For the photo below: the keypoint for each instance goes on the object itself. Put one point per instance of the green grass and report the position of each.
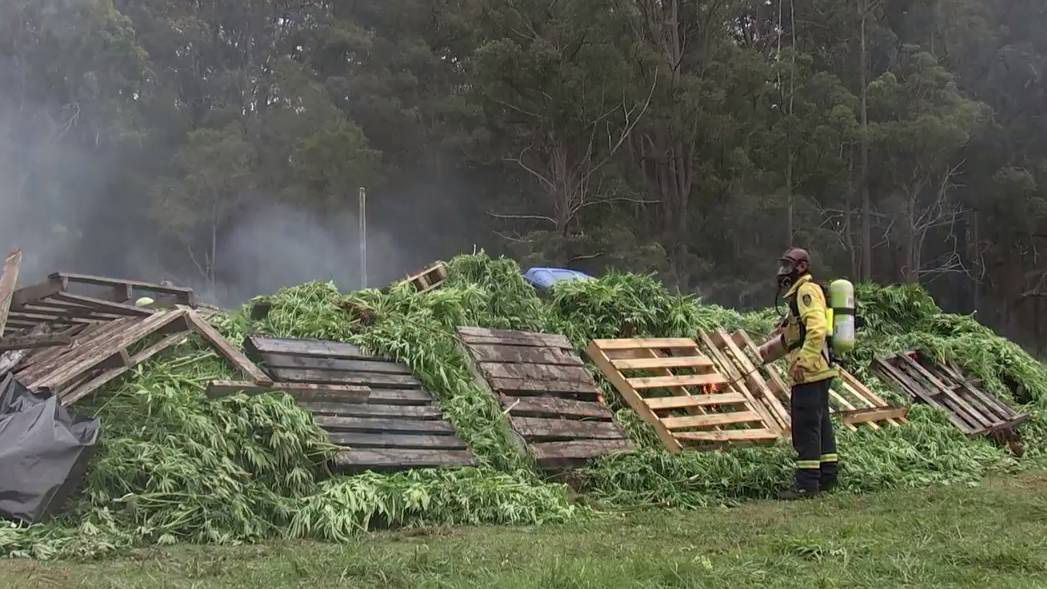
(993, 534)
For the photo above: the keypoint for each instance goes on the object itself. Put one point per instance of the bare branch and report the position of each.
(523, 217)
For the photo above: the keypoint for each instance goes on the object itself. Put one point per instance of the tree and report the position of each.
(922, 123)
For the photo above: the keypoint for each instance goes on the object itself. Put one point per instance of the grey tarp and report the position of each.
(43, 452)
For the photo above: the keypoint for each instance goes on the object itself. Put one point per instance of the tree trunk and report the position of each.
(864, 174)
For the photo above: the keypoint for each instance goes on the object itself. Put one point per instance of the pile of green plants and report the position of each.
(173, 466)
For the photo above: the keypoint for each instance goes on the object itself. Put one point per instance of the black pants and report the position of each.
(813, 436)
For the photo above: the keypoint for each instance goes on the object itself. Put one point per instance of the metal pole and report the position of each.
(363, 236)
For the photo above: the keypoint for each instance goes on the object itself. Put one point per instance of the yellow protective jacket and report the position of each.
(806, 330)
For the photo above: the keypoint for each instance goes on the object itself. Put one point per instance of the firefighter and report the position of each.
(804, 335)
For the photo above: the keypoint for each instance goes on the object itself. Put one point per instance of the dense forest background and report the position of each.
(222, 143)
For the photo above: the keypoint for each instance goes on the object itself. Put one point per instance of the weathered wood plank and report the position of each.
(35, 292)
(371, 410)
(640, 344)
(663, 362)
(418, 441)
(535, 428)
(482, 336)
(367, 424)
(712, 419)
(341, 364)
(8, 281)
(870, 415)
(522, 355)
(400, 397)
(312, 348)
(554, 453)
(686, 380)
(398, 459)
(733, 435)
(60, 310)
(370, 379)
(554, 407)
(537, 372)
(522, 386)
(226, 349)
(47, 318)
(299, 391)
(101, 305)
(34, 341)
(710, 400)
(972, 415)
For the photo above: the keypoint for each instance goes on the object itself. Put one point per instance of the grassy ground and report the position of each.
(994, 534)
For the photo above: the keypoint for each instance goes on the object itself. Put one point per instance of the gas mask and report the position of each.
(786, 274)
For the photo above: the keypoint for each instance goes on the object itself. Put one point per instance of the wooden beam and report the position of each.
(226, 349)
(299, 391)
(311, 348)
(398, 459)
(34, 341)
(535, 428)
(555, 407)
(650, 343)
(102, 305)
(416, 441)
(183, 295)
(8, 281)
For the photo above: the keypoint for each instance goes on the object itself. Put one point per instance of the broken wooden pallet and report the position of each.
(397, 425)
(849, 399)
(676, 389)
(67, 300)
(761, 382)
(970, 409)
(100, 353)
(428, 279)
(552, 402)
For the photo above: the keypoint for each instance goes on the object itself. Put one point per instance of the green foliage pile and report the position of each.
(175, 467)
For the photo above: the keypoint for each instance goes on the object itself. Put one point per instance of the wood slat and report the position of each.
(226, 349)
(8, 281)
(536, 428)
(373, 380)
(400, 396)
(398, 459)
(522, 386)
(523, 355)
(916, 391)
(35, 292)
(371, 410)
(101, 305)
(299, 391)
(712, 419)
(872, 414)
(367, 424)
(557, 453)
(663, 362)
(338, 364)
(645, 344)
(681, 402)
(726, 436)
(418, 441)
(554, 407)
(973, 415)
(776, 416)
(34, 341)
(312, 348)
(482, 336)
(540, 372)
(686, 380)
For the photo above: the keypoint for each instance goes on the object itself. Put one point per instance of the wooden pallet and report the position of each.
(397, 425)
(970, 409)
(100, 353)
(428, 279)
(676, 389)
(79, 299)
(849, 399)
(744, 372)
(553, 404)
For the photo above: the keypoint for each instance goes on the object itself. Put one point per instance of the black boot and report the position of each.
(797, 493)
(827, 475)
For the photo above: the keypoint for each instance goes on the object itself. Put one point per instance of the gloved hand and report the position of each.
(796, 373)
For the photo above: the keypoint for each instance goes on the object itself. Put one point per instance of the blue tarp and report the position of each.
(547, 277)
